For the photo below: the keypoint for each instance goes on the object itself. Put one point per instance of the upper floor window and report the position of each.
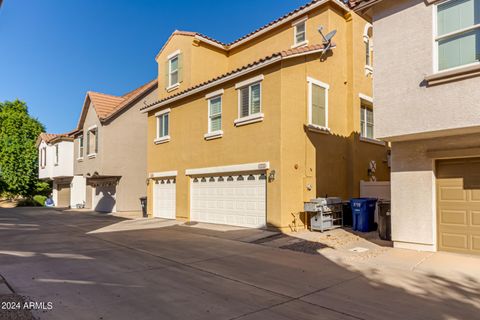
(215, 114)
(80, 147)
(163, 124)
(249, 100)
(366, 121)
(317, 103)
(300, 32)
(56, 154)
(458, 33)
(43, 157)
(173, 70)
(368, 40)
(92, 141)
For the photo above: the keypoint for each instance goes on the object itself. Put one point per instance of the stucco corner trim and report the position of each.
(214, 94)
(213, 135)
(159, 113)
(257, 166)
(300, 44)
(257, 117)
(365, 97)
(250, 81)
(162, 140)
(453, 75)
(163, 174)
(173, 87)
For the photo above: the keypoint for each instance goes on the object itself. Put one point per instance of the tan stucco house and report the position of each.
(243, 133)
(109, 164)
(426, 85)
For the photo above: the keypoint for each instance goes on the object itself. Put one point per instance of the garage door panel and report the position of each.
(164, 205)
(458, 205)
(452, 194)
(475, 218)
(453, 217)
(476, 243)
(456, 241)
(233, 199)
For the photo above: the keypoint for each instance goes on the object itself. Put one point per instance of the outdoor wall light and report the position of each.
(271, 176)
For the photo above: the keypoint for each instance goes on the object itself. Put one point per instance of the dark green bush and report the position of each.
(28, 202)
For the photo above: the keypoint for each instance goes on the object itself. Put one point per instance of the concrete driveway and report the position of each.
(177, 272)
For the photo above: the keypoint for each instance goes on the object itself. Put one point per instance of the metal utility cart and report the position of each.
(327, 213)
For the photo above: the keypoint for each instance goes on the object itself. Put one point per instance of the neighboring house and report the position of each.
(110, 150)
(55, 163)
(427, 68)
(243, 133)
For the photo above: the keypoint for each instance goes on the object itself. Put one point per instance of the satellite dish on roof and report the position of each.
(327, 39)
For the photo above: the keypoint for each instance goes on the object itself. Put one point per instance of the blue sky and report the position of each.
(53, 51)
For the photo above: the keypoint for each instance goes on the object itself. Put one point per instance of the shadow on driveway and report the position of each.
(177, 273)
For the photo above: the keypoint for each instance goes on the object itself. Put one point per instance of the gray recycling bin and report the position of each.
(384, 220)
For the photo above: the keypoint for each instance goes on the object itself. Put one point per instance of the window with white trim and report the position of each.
(366, 121)
(300, 33)
(317, 103)
(163, 125)
(215, 114)
(56, 154)
(458, 33)
(43, 157)
(250, 100)
(368, 40)
(92, 141)
(80, 146)
(173, 71)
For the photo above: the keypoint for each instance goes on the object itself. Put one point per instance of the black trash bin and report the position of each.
(347, 214)
(384, 220)
(143, 202)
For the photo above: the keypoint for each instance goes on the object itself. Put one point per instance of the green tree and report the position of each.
(18, 153)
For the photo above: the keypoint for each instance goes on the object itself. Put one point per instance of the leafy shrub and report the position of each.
(27, 202)
(43, 188)
(40, 199)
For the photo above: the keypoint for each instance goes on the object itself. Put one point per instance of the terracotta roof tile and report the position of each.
(47, 137)
(284, 53)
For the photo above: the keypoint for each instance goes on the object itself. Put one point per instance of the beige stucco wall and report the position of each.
(413, 188)
(125, 153)
(89, 165)
(403, 57)
(121, 151)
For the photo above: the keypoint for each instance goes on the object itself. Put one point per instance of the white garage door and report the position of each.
(104, 199)
(164, 198)
(238, 200)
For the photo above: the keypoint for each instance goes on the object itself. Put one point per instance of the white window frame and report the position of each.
(311, 81)
(368, 42)
(158, 115)
(56, 155)
(81, 147)
(295, 24)
(93, 154)
(43, 157)
(437, 39)
(250, 118)
(217, 133)
(170, 58)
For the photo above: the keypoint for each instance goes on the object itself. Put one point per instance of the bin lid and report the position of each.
(329, 200)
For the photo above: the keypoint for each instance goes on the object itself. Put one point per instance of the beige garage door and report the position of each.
(458, 205)
(63, 195)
